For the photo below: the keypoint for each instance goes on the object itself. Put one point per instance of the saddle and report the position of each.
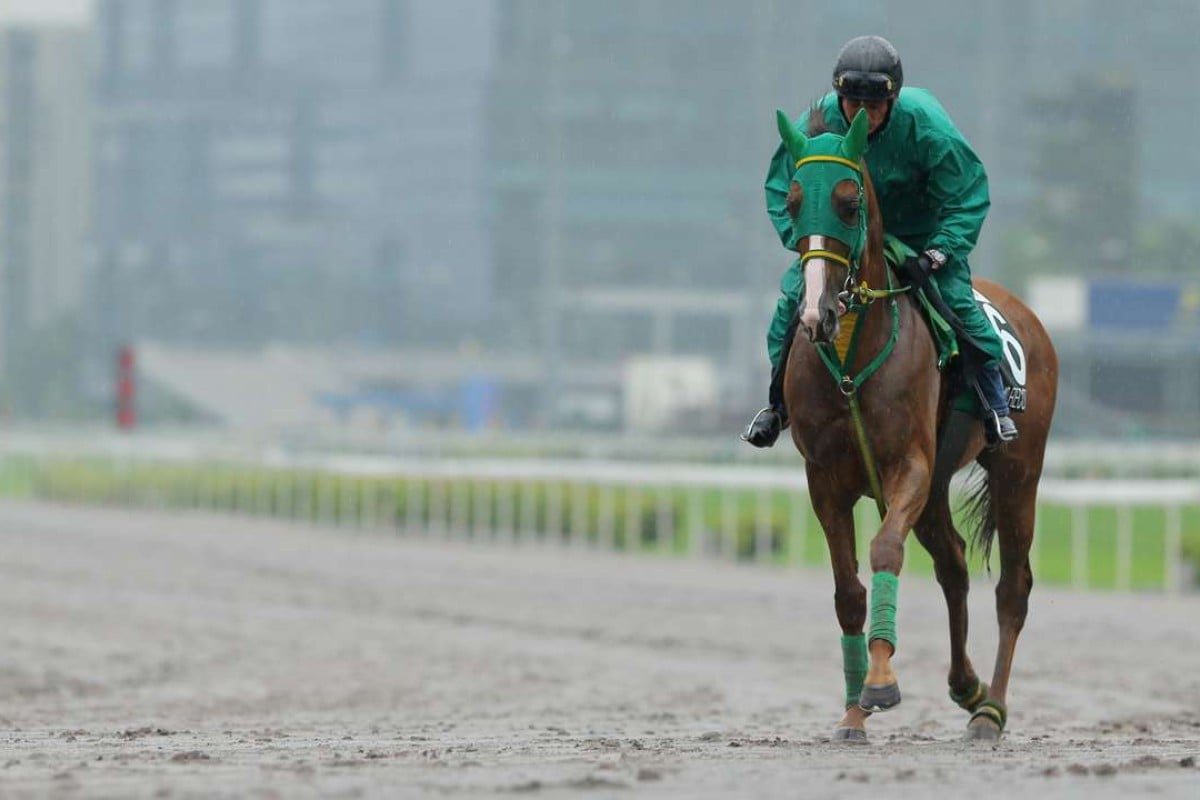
(956, 347)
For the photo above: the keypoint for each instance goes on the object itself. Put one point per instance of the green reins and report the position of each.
(839, 369)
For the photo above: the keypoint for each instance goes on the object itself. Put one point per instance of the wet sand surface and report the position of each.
(163, 655)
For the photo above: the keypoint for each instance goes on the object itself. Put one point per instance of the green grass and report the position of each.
(666, 521)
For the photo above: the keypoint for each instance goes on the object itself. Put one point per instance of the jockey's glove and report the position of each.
(916, 270)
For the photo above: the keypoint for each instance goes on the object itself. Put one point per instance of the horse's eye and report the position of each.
(846, 201)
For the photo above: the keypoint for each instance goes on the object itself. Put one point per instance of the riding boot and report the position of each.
(990, 385)
(768, 423)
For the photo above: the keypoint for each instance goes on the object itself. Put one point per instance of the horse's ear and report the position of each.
(856, 138)
(793, 139)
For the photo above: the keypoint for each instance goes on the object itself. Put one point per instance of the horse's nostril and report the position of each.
(828, 325)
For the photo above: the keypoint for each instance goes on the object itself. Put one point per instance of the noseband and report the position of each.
(819, 251)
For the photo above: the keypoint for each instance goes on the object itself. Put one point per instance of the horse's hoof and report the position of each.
(850, 735)
(987, 723)
(982, 729)
(879, 698)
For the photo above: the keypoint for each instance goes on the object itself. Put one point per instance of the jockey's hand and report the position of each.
(916, 269)
(936, 258)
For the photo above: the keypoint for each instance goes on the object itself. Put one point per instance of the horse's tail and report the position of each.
(980, 513)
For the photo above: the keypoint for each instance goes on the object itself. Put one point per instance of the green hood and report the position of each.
(818, 165)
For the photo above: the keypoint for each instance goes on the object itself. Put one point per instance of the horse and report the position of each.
(903, 402)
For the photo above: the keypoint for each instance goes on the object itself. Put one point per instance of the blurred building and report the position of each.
(297, 171)
(45, 197)
(533, 194)
(629, 139)
(628, 147)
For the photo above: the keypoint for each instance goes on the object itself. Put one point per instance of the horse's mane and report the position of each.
(817, 123)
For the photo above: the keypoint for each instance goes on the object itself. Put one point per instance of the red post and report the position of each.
(126, 390)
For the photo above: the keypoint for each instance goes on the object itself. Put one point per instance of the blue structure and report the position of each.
(1127, 305)
(474, 405)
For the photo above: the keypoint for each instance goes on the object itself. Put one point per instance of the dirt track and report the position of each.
(172, 656)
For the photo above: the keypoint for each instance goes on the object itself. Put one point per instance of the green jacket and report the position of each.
(931, 186)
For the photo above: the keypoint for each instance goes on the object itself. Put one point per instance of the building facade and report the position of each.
(628, 145)
(577, 181)
(629, 140)
(45, 197)
(274, 169)
(625, 151)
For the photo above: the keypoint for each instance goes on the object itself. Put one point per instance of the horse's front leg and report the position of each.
(906, 489)
(850, 602)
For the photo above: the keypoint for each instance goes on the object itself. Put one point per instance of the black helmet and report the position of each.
(868, 68)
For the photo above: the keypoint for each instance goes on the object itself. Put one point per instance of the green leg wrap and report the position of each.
(884, 587)
(854, 666)
(971, 698)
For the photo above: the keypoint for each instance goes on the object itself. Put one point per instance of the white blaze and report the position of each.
(814, 286)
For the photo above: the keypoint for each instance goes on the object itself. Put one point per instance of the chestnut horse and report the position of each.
(904, 403)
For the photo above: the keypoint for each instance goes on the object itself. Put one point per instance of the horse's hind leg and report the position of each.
(1015, 504)
(937, 534)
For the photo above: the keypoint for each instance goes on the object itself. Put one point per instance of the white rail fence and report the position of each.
(450, 484)
(1128, 534)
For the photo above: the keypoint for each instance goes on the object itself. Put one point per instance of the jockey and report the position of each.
(933, 194)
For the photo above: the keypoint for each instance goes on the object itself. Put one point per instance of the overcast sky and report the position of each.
(44, 10)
